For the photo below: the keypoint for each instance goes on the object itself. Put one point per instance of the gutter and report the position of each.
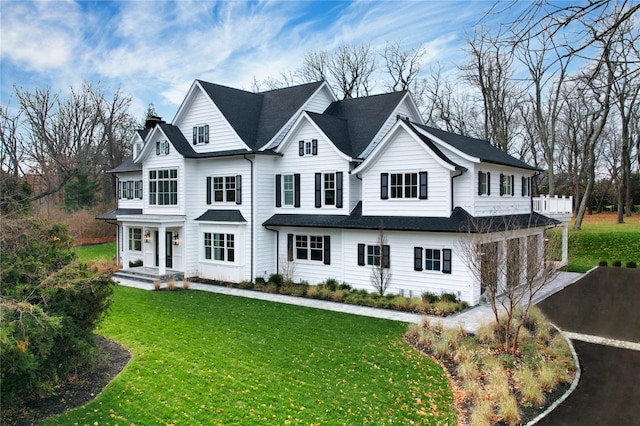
(252, 216)
(452, 178)
(277, 247)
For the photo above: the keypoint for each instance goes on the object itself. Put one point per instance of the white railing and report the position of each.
(553, 205)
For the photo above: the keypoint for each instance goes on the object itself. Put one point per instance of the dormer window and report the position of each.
(506, 184)
(162, 147)
(201, 134)
(308, 147)
(136, 150)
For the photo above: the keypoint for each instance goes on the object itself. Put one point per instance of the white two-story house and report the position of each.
(242, 185)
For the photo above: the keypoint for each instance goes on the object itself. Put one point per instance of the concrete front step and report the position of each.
(147, 275)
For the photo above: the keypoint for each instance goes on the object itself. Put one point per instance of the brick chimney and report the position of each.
(152, 121)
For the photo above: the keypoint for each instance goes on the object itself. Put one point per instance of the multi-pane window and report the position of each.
(315, 247)
(311, 247)
(138, 189)
(288, 189)
(506, 184)
(373, 255)
(130, 189)
(201, 134)
(302, 247)
(432, 259)
(218, 246)
(224, 188)
(484, 183)
(163, 187)
(162, 147)
(526, 186)
(135, 239)
(329, 189)
(403, 185)
(308, 147)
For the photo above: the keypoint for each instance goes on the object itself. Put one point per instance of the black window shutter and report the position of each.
(301, 148)
(386, 251)
(314, 146)
(289, 247)
(278, 190)
(158, 148)
(523, 183)
(208, 189)
(446, 261)
(206, 133)
(296, 190)
(318, 189)
(513, 184)
(339, 190)
(423, 185)
(129, 189)
(119, 189)
(239, 189)
(488, 183)
(361, 248)
(479, 183)
(501, 184)
(195, 135)
(327, 250)
(417, 258)
(166, 148)
(140, 190)
(384, 186)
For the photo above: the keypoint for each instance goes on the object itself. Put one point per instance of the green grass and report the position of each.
(203, 358)
(105, 251)
(601, 238)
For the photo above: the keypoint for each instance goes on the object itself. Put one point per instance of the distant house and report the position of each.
(241, 185)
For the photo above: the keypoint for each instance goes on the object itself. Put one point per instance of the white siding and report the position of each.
(403, 154)
(157, 162)
(264, 198)
(328, 160)
(201, 111)
(125, 203)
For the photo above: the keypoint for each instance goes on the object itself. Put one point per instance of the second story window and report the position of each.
(403, 185)
(308, 147)
(328, 189)
(200, 134)
(163, 187)
(506, 184)
(484, 183)
(224, 189)
(162, 147)
(288, 190)
(526, 186)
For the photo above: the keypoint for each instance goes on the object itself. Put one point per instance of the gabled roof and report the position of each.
(222, 216)
(459, 221)
(113, 214)
(257, 117)
(127, 165)
(481, 149)
(336, 129)
(365, 116)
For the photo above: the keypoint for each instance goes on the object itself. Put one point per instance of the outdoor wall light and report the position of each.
(176, 239)
(147, 236)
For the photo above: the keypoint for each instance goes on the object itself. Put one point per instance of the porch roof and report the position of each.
(222, 216)
(113, 214)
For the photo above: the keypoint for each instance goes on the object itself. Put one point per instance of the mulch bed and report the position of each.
(76, 391)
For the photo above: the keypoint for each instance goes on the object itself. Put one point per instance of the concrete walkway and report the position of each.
(470, 319)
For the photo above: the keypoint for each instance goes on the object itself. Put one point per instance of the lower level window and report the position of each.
(431, 259)
(309, 247)
(135, 239)
(219, 246)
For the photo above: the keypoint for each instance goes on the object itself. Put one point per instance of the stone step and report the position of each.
(146, 276)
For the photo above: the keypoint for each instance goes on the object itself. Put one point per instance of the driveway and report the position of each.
(603, 306)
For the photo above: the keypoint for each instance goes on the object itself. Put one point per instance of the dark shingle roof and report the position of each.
(477, 148)
(127, 165)
(336, 129)
(434, 148)
(113, 214)
(257, 117)
(459, 221)
(365, 116)
(222, 216)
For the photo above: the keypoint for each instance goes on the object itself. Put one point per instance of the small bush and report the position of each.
(171, 283)
(344, 286)
(617, 263)
(430, 297)
(185, 284)
(508, 409)
(260, 281)
(156, 285)
(449, 297)
(271, 287)
(245, 284)
(631, 264)
(482, 414)
(313, 292)
(331, 283)
(529, 387)
(275, 279)
(603, 263)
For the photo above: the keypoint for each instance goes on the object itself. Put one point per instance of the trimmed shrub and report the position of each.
(617, 263)
(430, 297)
(631, 264)
(332, 284)
(245, 284)
(603, 263)
(276, 279)
(260, 281)
(449, 297)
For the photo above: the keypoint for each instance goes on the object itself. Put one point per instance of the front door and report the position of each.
(169, 249)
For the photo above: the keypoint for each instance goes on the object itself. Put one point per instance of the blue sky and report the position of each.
(154, 50)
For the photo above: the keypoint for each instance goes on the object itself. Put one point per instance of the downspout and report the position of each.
(535, 175)
(252, 216)
(452, 178)
(277, 247)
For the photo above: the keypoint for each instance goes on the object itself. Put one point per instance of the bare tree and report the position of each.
(402, 66)
(511, 264)
(381, 272)
(11, 150)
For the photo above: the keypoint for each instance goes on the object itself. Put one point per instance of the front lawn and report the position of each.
(203, 358)
(96, 252)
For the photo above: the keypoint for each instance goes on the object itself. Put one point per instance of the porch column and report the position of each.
(502, 266)
(565, 243)
(125, 246)
(162, 250)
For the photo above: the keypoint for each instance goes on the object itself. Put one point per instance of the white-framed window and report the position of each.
(526, 186)
(288, 190)
(329, 189)
(219, 246)
(308, 147)
(374, 255)
(162, 147)
(329, 186)
(484, 183)
(200, 134)
(506, 184)
(432, 259)
(135, 239)
(403, 185)
(309, 247)
(138, 189)
(224, 189)
(163, 187)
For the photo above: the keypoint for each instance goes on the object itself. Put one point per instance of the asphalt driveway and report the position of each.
(606, 303)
